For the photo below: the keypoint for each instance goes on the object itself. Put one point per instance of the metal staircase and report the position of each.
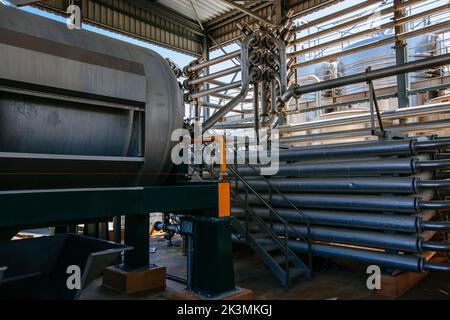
(269, 246)
(258, 234)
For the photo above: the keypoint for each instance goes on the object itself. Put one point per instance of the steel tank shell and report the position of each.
(79, 109)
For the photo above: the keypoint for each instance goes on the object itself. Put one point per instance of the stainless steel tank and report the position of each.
(419, 47)
(311, 74)
(78, 109)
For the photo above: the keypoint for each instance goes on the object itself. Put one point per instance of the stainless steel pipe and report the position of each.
(207, 92)
(214, 75)
(245, 83)
(436, 61)
(225, 57)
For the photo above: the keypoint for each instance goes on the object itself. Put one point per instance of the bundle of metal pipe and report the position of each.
(363, 220)
(382, 196)
(387, 260)
(400, 185)
(353, 168)
(408, 243)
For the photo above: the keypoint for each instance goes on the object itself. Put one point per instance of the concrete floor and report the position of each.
(335, 281)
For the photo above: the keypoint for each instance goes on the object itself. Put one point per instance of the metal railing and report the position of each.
(273, 211)
(289, 230)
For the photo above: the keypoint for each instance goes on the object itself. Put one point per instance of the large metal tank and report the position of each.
(419, 47)
(312, 74)
(79, 109)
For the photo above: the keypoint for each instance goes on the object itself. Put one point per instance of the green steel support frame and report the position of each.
(41, 208)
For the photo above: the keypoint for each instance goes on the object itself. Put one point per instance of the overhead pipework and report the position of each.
(325, 57)
(262, 66)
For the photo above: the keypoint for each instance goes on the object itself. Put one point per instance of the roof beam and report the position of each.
(234, 15)
(197, 16)
(249, 12)
(168, 14)
(22, 3)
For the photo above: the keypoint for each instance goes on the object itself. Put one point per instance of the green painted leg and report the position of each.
(137, 236)
(213, 271)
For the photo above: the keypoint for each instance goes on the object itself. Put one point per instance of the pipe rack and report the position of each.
(384, 197)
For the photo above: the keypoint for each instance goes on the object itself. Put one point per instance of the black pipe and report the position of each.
(434, 205)
(439, 267)
(432, 164)
(433, 184)
(374, 148)
(408, 243)
(352, 168)
(386, 260)
(345, 202)
(405, 262)
(432, 145)
(400, 242)
(435, 225)
(435, 246)
(377, 148)
(341, 168)
(364, 220)
(404, 185)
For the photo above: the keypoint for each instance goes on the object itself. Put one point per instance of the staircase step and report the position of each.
(271, 247)
(260, 235)
(280, 259)
(295, 272)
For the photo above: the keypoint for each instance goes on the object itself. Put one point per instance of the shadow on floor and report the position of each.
(330, 280)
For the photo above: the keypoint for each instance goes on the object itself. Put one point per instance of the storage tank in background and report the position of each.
(79, 109)
(419, 47)
(307, 75)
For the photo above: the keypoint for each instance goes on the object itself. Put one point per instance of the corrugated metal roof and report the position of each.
(172, 23)
(126, 18)
(206, 9)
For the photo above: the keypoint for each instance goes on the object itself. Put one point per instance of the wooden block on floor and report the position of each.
(238, 294)
(394, 286)
(134, 281)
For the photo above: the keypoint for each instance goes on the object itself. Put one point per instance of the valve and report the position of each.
(269, 74)
(255, 74)
(187, 98)
(255, 58)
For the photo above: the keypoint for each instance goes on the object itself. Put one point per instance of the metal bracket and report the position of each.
(374, 108)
